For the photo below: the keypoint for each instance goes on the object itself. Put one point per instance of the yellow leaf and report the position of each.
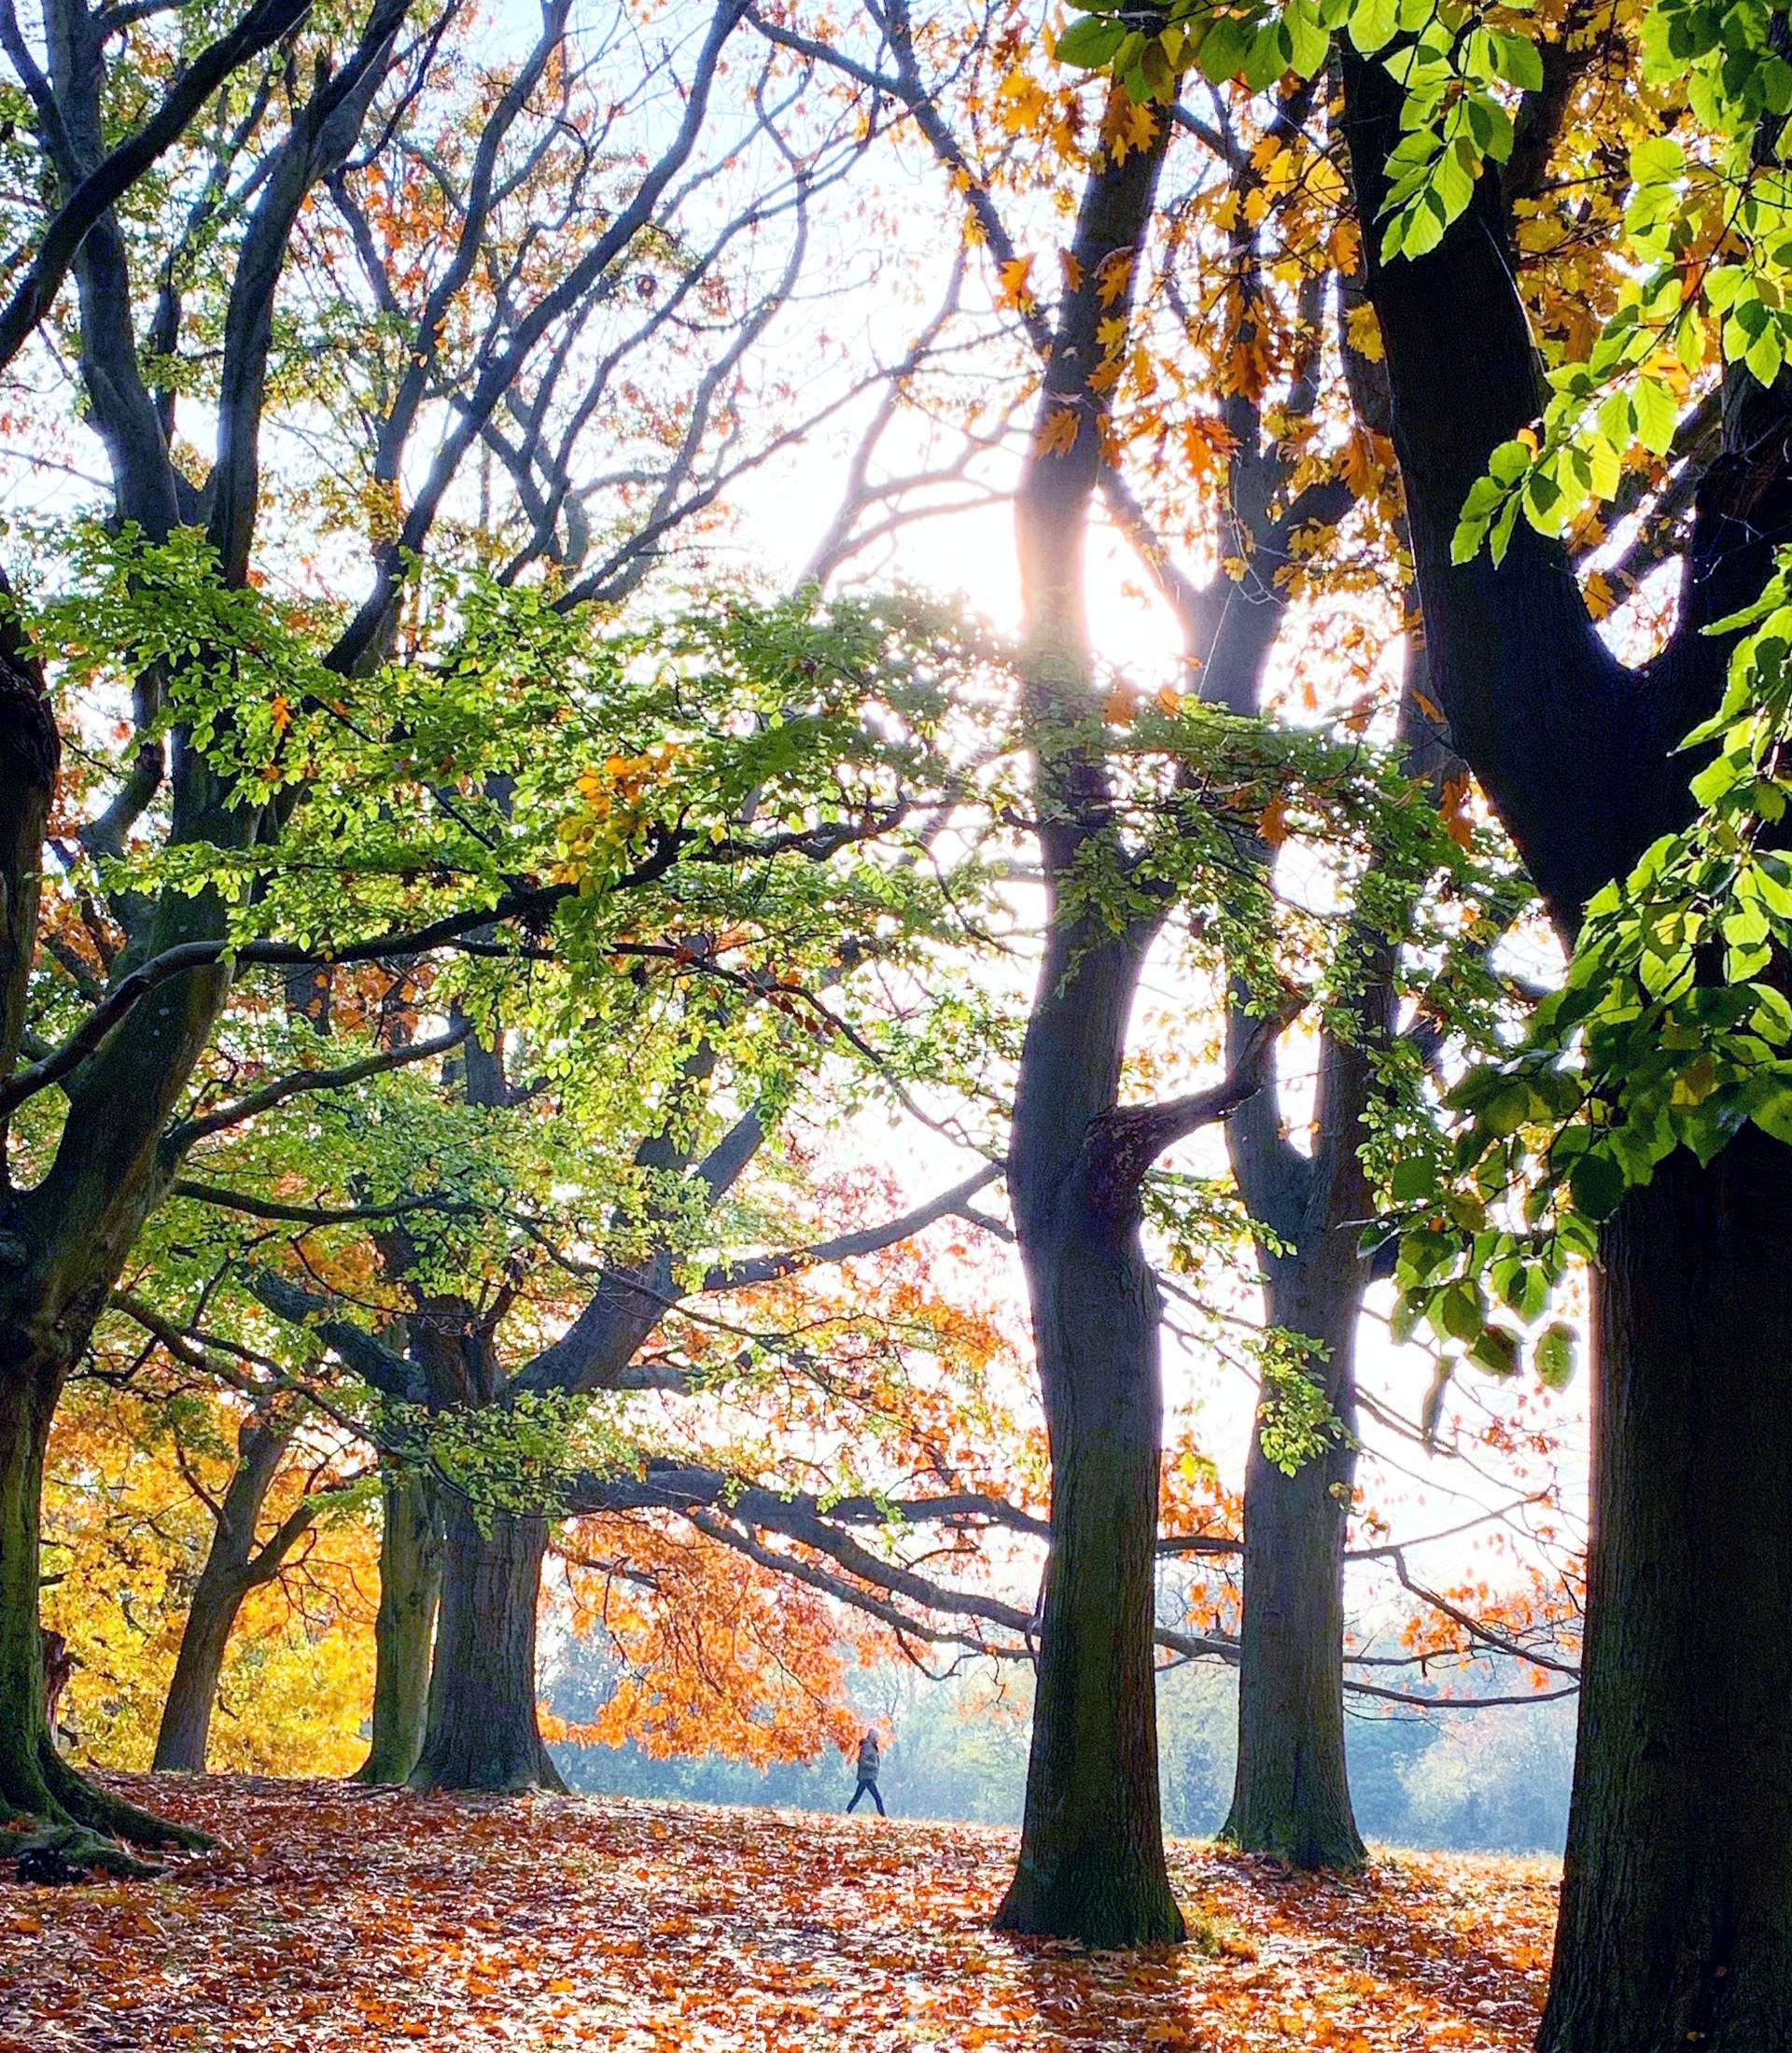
(1013, 276)
(1359, 466)
(1057, 435)
(1363, 332)
(1454, 806)
(1114, 275)
(1272, 822)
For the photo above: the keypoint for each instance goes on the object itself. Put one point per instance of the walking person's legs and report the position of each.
(876, 1798)
(860, 1792)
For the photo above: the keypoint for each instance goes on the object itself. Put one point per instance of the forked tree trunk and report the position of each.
(404, 1631)
(234, 1566)
(1091, 1864)
(1092, 1861)
(1290, 1792)
(483, 1732)
(1675, 1926)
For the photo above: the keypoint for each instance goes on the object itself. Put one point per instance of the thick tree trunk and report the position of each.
(1675, 1925)
(27, 1400)
(1290, 1792)
(36, 1785)
(404, 1631)
(1091, 1864)
(1676, 1910)
(483, 1731)
(187, 1714)
(1091, 1860)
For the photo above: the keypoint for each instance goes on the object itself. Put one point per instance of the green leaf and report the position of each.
(1774, 1114)
(1372, 24)
(1460, 1312)
(1656, 415)
(1516, 58)
(1308, 43)
(1090, 43)
(1555, 1357)
(1764, 357)
(1596, 1184)
(1412, 1180)
(1496, 1349)
(1225, 47)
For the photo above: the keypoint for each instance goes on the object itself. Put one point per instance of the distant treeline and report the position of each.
(1493, 1780)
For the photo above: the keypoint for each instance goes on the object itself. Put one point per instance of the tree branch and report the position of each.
(768, 1268)
(119, 169)
(182, 1136)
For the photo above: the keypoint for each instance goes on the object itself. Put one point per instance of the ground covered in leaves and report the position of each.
(330, 1917)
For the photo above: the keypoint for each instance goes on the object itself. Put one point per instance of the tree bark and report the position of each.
(36, 1785)
(186, 1713)
(482, 1729)
(1291, 1791)
(404, 1631)
(27, 1400)
(1091, 1864)
(1673, 1926)
(234, 1567)
(1091, 1861)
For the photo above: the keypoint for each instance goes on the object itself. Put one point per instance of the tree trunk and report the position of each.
(234, 1567)
(1091, 1860)
(187, 1714)
(1675, 1926)
(27, 1400)
(411, 1555)
(1290, 1792)
(482, 1732)
(1091, 1863)
(37, 1785)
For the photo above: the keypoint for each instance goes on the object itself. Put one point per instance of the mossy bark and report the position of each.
(482, 1731)
(404, 1629)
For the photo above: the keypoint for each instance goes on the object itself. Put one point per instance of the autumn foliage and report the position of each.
(329, 1921)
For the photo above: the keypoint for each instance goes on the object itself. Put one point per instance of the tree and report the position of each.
(410, 1569)
(143, 1455)
(1677, 1849)
(1242, 256)
(236, 1562)
(723, 796)
(209, 709)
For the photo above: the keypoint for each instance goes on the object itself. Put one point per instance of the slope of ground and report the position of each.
(332, 1917)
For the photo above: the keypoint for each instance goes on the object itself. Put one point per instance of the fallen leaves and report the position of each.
(336, 1918)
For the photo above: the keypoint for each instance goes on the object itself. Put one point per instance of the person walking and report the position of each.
(870, 1755)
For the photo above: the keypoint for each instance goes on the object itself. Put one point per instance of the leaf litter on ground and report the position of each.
(331, 1917)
